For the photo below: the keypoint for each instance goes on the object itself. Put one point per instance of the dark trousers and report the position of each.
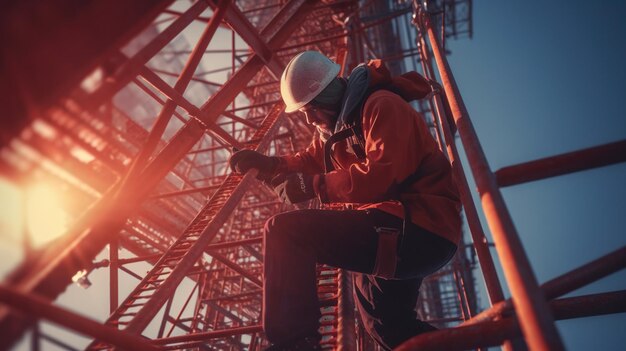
(295, 241)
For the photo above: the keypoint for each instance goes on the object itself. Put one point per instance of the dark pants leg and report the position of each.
(387, 308)
(296, 241)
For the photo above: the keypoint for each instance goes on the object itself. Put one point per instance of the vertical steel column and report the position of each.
(494, 289)
(113, 275)
(35, 339)
(464, 306)
(534, 315)
(346, 331)
(166, 314)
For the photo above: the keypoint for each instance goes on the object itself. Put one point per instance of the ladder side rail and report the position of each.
(534, 315)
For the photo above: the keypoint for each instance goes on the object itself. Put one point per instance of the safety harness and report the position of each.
(349, 127)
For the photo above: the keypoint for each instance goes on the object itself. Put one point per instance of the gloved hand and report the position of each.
(294, 188)
(243, 160)
(435, 88)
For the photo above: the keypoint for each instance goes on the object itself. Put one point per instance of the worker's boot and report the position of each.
(303, 344)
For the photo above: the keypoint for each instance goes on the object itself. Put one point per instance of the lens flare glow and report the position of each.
(46, 220)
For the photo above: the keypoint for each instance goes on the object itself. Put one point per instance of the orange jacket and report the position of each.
(397, 144)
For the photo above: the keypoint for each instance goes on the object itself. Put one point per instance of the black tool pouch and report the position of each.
(386, 254)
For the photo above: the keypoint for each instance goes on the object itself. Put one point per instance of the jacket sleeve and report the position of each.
(309, 161)
(393, 152)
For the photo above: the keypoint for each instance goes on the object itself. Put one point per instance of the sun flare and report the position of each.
(46, 220)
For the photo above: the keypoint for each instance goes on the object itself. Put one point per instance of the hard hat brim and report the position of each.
(293, 107)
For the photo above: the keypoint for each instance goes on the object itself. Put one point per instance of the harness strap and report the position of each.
(334, 139)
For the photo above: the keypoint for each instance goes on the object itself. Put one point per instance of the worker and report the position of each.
(371, 150)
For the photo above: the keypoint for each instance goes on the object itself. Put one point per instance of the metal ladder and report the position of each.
(159, 284)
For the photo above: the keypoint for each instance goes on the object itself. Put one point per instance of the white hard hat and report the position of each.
(305, 76)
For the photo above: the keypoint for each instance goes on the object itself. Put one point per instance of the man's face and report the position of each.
(320, 117)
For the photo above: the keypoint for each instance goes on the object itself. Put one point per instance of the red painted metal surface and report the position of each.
(34, 305)
(69, 36)
(535, 318)
(575, 161)
(158, 124)
(494, 333)
(444, 119)
(563, 284)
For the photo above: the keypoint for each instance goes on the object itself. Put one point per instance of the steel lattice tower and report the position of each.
(136, 121)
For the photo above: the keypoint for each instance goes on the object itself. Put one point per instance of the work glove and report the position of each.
(294, 188)
(242, 161)
(435, 88)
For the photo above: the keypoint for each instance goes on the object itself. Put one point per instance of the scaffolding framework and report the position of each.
(137, 128)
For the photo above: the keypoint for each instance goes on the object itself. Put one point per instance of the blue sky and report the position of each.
(540, 80)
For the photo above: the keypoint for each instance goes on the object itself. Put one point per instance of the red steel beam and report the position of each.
(214, 107)
(185, 192)
(279, 30)
(494, 288)
(237, 297)
(570, 162)
(201, 338)
(124, 261)
(175, 94)
(494, 333)
(356, 31)
(217, 133)
(52, 271)
(237, 268)
(443, 117)
(71, 36)
(35, 306)
(176, 98)
(131, 67)
(181, 84)
(236, 118)
(194, 79)
(535, 317)
(586, 274)
(113, 275)
(249, 34)
(260, 104)
(564, 283)
(227, 244)
(208, 149)
(177, 321)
